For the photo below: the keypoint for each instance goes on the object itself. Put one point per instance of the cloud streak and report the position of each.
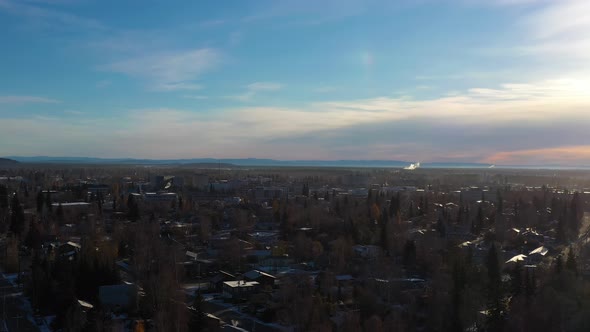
(49, 17)
(511, 124)
(556, 33)
(563, 155)
(169, 71)
(26, 100)
(255, 88)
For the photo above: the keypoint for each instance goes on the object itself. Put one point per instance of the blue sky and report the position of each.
(499, 81)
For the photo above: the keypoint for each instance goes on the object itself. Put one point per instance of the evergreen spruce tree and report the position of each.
(495, 297)
(479, 219)
(17, 217)
(383, 226)
(570, 263)
(516, 279)
(197, 315)
(529, 288)
(558, 265)
(457, 296)
(3, 197)
(60, 213)
(39, 202)
(48, 201)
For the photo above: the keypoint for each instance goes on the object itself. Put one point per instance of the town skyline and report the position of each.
(502, 82)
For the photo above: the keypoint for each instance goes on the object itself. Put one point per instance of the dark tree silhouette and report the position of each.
(459, 278)
(570, 263)
(59, 213)
(495, 315)
(40, 201)
(3, 197)
(48, 201)
(17, 217)
(133, 213)
(558, 265)
(409, 258)
(197, 315)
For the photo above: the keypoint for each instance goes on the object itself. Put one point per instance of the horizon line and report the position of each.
(490, 165)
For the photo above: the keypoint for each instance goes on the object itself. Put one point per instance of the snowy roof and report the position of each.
(344, 277)
(517, 258)
(541, 251)
(192, 255)
(241, 283)
(74, 244)
(71, 204)
(85, 304)
(255, 274)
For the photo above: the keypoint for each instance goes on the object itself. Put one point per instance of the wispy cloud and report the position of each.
(103, 84)
(26, 100)
(235, 38)
(254, 88)
(73, 112)
(325, 89)
(555, 33)
(177, 86)
(313, 12)
(197, 97)
(169, 71)
(55, 2)
(510, 124)
(212, 23)
(559, 31)
(264, 86)
(565, 18)
(48, 16)
(577, 155)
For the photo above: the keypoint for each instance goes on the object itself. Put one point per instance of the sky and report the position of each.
(505, 82)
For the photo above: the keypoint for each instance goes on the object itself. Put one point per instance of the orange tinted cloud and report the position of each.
(565, 155)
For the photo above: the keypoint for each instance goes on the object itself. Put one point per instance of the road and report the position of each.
(13, 315)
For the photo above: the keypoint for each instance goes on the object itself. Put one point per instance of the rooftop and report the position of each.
(241, 283)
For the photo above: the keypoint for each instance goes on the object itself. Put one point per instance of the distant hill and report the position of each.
(247, 162)
(8, 162)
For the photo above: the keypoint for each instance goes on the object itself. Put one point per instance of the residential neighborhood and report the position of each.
(285, 250)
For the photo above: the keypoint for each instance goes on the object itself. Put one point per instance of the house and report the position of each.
(257, 255)
(239, 289)
(72, 210)
(517, 258)
(345, 287)
(69, 250)
(122, 297)
(458, 233)
(266, 226)
(264, 237)
(99, 188)
(85, 306)
(261, 194)
(367, 251)
(81, 310)
(275, 263)
(160, 197)
(126, 271)
(200, 181)
(198, 267)
(265, 279)
(232, 200)
(537, 255)
(220, 278)
(193, 256)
